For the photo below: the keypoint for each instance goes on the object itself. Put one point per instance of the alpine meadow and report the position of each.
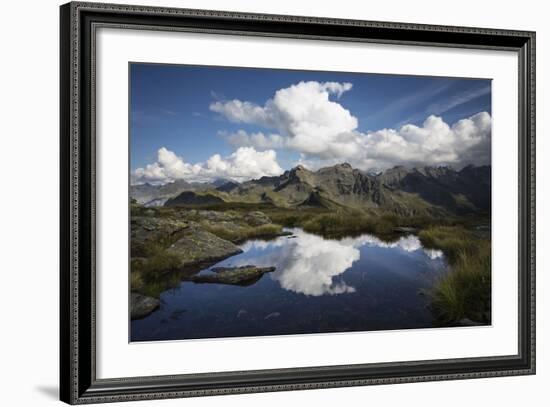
(274, 202)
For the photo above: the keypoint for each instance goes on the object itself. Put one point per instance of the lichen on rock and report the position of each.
(243, 275)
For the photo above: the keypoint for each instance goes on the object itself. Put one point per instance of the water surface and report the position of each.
(320, 285)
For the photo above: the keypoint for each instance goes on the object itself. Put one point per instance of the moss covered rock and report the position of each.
(197, 246)
(141, 305)
(244, 275)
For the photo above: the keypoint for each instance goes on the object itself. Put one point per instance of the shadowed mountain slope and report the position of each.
(433, 191)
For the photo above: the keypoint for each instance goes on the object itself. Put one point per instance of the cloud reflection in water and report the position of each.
(310, 265)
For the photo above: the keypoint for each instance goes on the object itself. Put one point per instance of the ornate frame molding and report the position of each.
(79, 21)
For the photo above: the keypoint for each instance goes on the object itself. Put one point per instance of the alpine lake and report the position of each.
(312, 285)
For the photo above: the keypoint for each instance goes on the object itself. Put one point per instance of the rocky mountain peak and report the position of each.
(299, 172)
(400, 189)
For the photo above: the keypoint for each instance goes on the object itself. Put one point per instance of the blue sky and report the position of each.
(172, 107)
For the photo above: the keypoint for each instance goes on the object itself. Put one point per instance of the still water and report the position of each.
(319, 285)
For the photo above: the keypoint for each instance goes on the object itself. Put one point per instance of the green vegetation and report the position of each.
(335, 223)
(156, 266)
(465, 291)
(161, 262)
(153, 284)
(295, 217)
(151, 249)
(338, 224)
(240, 233)
(462, 292)
(153, 260)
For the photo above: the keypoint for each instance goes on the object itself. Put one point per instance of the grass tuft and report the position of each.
(464, 291)
(242, 232)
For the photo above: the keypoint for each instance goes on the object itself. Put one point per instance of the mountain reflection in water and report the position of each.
(319, 285)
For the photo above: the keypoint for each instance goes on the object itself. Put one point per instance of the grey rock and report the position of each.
(141, 305)
(216, 216)
(257, 218)
(197, 246)
(432, 191)
(244, 275)
(146, 230)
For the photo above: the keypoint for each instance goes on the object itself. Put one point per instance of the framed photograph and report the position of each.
(255, 203)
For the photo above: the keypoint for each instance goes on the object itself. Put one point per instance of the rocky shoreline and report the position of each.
(141, 305)
(170, 245)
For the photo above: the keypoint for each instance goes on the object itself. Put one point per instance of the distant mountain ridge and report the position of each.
(157, 195)
(400, 190)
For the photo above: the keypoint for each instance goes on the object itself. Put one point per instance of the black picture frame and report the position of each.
(78, 382)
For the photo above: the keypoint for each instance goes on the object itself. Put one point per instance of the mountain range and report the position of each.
(156, 195)
(434, 191)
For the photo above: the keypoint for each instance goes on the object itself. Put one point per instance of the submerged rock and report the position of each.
(197, 246)
(177, 314)
(244, 275)
(141, 305)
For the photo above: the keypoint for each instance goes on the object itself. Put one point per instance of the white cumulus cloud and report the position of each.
(302, 113)
(309, 118)
(244, 164)
(325, 132)
(257, 140)
(467, 141)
